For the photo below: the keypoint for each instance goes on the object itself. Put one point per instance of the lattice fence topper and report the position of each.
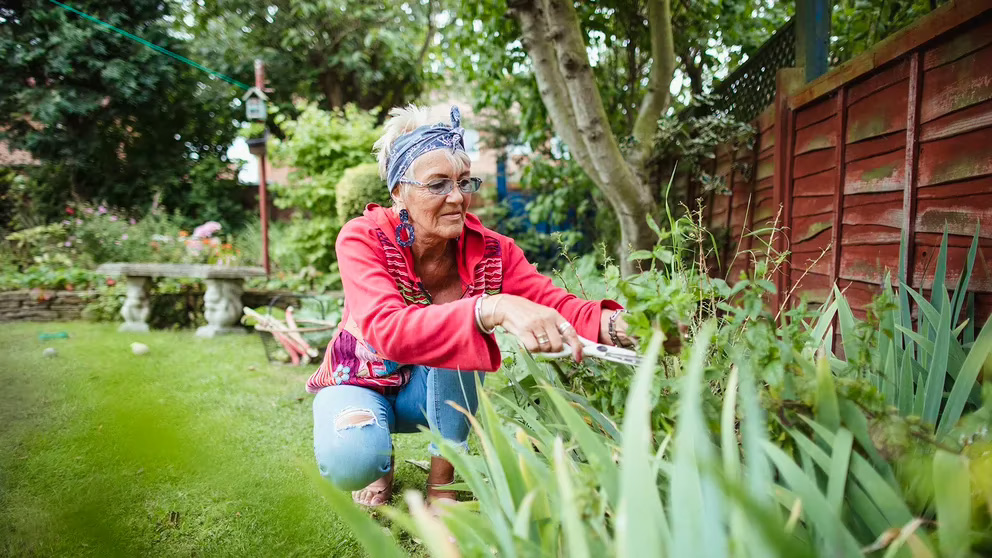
(751, 87)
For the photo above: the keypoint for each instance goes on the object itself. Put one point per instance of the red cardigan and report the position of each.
(389, 320)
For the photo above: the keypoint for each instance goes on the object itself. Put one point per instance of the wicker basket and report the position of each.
(314, 331)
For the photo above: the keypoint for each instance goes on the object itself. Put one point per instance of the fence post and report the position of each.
(812, 36)
(787, 81)
(907, 245)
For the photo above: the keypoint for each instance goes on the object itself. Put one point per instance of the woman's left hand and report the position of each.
(672, 345)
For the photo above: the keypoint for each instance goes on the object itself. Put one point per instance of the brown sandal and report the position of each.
(436, 492)
(380, 490)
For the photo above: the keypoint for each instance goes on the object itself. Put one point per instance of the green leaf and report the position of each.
(815, 506)
(967, 377)
(952, 498)
(892, 506)
(503, 453)
(854, 419)
(823, 321)
(575, 535)
(754, 433)
(906, 320)
(840, 457)
(859, 501)
(640, 511)
(940, 275)
(890, 379)
(906, 391)
(596, 451)
(367, 531)
(827, 411)
(925, 344)
(934, 389)
(846, 318)
(728, 433)
(697, 528)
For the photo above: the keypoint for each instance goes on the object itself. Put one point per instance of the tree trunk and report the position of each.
(553, 38)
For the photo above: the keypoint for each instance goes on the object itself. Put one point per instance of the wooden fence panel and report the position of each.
(815, 151)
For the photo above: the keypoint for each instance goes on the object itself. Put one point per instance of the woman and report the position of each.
(425, 286)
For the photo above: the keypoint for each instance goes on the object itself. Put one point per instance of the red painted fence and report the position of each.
(897, 142)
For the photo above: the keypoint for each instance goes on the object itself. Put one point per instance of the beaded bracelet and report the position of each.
(612, 329)
(478, 316)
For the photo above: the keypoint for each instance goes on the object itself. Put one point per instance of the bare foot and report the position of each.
(376, 494)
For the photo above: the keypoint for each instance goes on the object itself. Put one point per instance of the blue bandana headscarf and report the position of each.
(424, 139)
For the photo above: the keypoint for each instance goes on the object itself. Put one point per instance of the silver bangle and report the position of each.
(478, 316)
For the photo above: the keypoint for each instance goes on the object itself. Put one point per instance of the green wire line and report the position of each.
(153, 46)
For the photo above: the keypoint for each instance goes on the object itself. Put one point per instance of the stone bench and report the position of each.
(221, 302)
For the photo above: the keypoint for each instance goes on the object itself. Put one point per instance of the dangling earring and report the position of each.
(404, 227)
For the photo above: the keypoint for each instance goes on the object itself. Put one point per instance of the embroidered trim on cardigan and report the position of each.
(489, 270)
(397, 269)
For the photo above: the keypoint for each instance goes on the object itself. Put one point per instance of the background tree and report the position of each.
(111, 119)
(333, 52)
(590, 70)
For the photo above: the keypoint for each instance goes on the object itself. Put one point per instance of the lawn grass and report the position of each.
(199, 448)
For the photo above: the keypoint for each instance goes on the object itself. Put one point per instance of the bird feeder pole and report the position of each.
(263, 196)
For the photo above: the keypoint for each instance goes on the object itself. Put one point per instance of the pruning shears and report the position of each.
(596, 350)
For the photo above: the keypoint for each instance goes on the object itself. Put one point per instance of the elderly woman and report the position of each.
(425, 286)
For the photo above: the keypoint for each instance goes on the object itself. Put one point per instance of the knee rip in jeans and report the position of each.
(354, 418)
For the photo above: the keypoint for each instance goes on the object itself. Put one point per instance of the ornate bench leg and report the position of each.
(136, 307)
(222, 307)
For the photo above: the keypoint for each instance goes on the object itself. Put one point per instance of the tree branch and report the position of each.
(550, 82)
(431, 28)
(658, 96)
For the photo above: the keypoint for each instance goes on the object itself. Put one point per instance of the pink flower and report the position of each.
(66, 222)
(113, 217)
(132, 221)
(206, 230)
(67, 244)
(79, 221)
(124, 236)
(89, 210)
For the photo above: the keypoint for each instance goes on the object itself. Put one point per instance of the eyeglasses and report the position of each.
(444, 186)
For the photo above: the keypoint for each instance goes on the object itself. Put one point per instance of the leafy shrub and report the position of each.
(358, 187)
(55, 272)
(25, 245)
(320, 146)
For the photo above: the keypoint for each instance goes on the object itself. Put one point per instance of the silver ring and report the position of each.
(564, 326)
(543, 339)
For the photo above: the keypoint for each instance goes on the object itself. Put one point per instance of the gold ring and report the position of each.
(564, 326)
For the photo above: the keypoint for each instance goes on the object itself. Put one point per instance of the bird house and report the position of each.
(255, 104)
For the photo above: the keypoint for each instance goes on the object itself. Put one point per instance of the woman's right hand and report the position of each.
(538, 327)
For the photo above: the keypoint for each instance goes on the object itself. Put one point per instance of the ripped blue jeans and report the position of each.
(352, 425)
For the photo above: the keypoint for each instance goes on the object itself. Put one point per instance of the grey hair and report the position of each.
(403, 121)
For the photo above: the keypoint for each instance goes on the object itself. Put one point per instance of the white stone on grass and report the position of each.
(139, 348)
(50, 352)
